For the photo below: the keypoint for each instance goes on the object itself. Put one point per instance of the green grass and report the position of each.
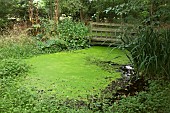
(69, 74)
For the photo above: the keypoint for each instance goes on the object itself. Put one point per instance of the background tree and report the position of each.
(56, 10)
(6, 11)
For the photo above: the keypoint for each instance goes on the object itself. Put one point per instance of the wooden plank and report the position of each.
(106, 30)
(112, 31)
(110, 37)
(105, 24)
(94, 39)
(98, 38)
(105, 44)
(102, 39)
(110, 24)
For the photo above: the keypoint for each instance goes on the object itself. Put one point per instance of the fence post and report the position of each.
(90, 36)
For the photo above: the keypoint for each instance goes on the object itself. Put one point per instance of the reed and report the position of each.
(150, 52)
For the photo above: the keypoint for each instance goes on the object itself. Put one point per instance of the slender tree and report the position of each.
(37, 14)
(56, 10)
(30, 10)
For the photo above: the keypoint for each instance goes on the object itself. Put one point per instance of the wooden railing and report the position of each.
(108, 33)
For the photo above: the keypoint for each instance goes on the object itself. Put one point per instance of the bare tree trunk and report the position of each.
(151, 9)
(30, 10)
(81, 15)
(36, 19)
(37, 14)
(51, 9)
(56, 10)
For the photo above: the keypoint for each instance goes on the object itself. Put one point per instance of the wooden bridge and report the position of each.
(108, 34)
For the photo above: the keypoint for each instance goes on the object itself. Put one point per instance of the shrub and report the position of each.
(51, 45)
(73, 33)
(67, 35)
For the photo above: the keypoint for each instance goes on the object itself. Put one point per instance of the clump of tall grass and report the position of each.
(17, 46)
(150, 52)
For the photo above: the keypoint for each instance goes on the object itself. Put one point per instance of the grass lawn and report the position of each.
(69, 74)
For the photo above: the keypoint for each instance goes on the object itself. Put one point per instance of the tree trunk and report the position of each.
(37, 14)
(36, 19)
(81, 15)
(30, 10)
(51, 9)
(56, 11)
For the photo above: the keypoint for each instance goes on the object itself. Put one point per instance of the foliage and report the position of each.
(51, 45)
(155, 100)
(4, 11)
(150, 52)
(18, 49)
(67, 35)
(70, 7)
(47, 39)
(12, 67)
(74, 34)
(15, 98)
(147, 12)
(12, 9)
(98, 8)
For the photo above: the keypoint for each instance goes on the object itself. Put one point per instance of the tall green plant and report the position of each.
(150, 52)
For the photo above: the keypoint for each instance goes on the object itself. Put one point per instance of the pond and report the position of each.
(71, 74)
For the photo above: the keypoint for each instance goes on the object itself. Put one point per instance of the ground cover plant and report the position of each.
(12, 68)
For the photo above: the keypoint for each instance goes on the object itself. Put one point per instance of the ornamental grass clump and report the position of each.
(150, 52)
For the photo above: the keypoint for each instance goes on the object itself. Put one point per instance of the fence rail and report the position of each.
(108, 33)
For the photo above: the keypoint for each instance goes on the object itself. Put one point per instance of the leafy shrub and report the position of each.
(52, 45)
(67, 35)
(73, 33)
(46, 30)
(150, 52)
(12, 67)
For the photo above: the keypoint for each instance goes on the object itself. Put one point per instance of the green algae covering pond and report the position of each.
(70, 75)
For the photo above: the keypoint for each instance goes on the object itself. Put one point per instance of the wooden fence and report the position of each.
(108, 33)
